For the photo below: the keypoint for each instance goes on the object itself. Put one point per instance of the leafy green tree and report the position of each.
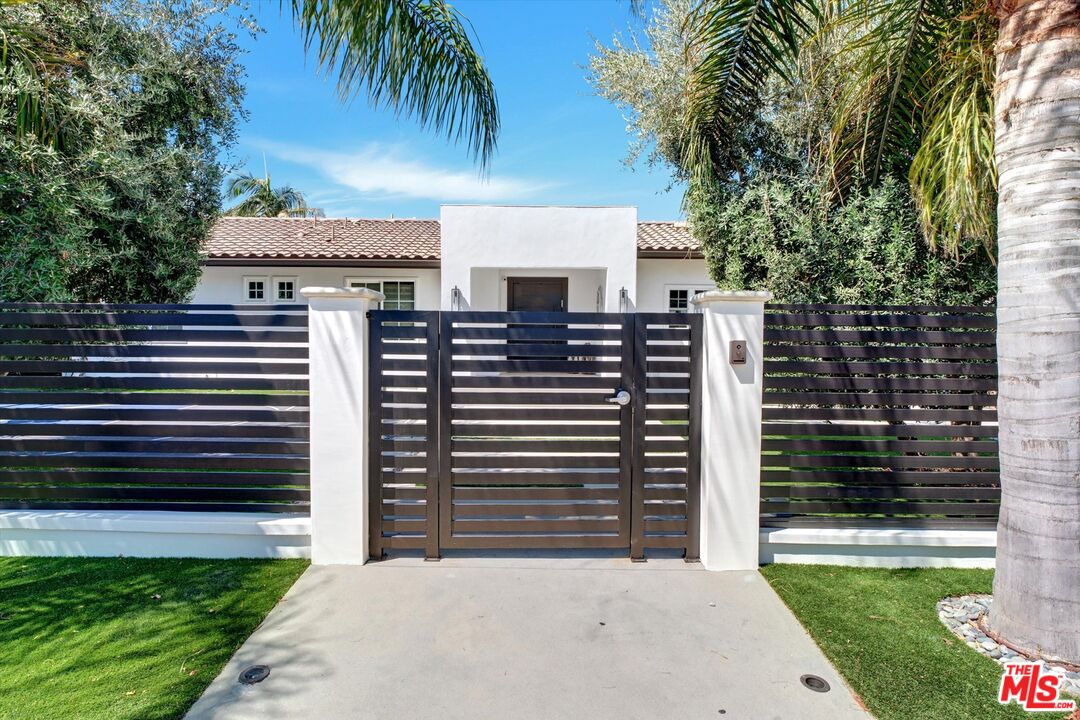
(259, 198)
(780, 234)
(115, 204)
(27, 52)
(114, 116)
(973, 98)
(769, 216)
(916, 100)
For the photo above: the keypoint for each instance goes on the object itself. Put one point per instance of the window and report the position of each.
(255, 289)
(400, 294)
(679, 298)
(284, 289)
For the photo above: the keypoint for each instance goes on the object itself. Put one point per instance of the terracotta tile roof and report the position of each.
(665, 237)
(241, 237)
(362, 239)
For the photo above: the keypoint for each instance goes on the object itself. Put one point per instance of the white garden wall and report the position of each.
(885, 547)
(150, 533)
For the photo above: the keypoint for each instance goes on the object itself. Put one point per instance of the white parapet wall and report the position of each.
(69, 533)
(885, 547)
(482, 244)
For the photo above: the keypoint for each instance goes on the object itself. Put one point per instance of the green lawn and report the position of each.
(119, 638)
(880, 629)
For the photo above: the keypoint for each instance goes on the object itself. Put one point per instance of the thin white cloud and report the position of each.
(379, 171)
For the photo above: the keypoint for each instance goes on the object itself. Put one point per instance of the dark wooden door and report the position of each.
(536, 294)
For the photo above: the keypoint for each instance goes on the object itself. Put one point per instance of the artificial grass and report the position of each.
(125, 638)
(879, 627)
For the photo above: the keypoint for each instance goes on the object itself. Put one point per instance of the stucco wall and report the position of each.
(655, 276)
(489, 286)
(507, 238)
(224, 285)
(220, 284)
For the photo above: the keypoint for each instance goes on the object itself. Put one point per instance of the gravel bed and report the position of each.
(964, 617)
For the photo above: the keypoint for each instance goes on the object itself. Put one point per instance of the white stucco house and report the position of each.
(474, 257)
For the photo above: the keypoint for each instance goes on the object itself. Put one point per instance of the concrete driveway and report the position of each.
(533, 638)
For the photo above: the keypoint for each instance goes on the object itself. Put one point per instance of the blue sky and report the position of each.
(559, 143)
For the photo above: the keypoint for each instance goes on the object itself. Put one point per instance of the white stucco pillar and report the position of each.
(337, 366)
(731, 428)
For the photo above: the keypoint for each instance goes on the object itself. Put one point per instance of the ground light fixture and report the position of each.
(815, 683)
(254, 674)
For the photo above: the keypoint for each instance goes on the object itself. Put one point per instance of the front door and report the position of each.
(536, 294)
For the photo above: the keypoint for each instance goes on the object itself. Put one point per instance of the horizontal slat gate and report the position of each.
(494, 430)
(508, 380)
(403, 384)
(879, 415)
(667, 432)
(156, 407)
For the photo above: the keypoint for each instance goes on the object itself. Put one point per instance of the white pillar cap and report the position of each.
(762, 296)
(343, 292)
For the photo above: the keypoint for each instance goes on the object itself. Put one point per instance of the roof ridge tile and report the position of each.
(360, 238)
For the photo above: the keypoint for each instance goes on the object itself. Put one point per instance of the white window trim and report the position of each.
(266, 290)
(285, 278)
(349, 280)
(691, 291)
(357, 279)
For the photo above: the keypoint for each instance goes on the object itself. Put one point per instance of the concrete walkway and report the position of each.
(524, 639)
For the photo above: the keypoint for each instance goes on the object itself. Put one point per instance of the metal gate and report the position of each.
(534, 430)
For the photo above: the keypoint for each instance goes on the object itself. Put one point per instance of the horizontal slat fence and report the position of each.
(153, 407)
(879, 416)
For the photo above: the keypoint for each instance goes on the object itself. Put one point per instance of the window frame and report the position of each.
(691, 289)
(381, 281)
(246, 289)
(295, 289)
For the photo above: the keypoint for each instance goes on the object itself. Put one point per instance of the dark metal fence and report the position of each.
(153, 407)
(879, 415)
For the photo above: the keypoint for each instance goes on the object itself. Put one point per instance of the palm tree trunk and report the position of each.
(1037, 586)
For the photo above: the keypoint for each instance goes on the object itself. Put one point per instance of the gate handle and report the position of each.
(621, 397)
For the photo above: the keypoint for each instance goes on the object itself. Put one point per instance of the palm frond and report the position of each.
(414, 56)
(245, 184)
(292, 201)
(878, 121)
(28, 57)
(954, 175)
(734, 46)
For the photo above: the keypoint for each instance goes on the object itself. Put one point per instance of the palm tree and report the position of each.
(978, 103)
(262, 199)
(413, 56)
